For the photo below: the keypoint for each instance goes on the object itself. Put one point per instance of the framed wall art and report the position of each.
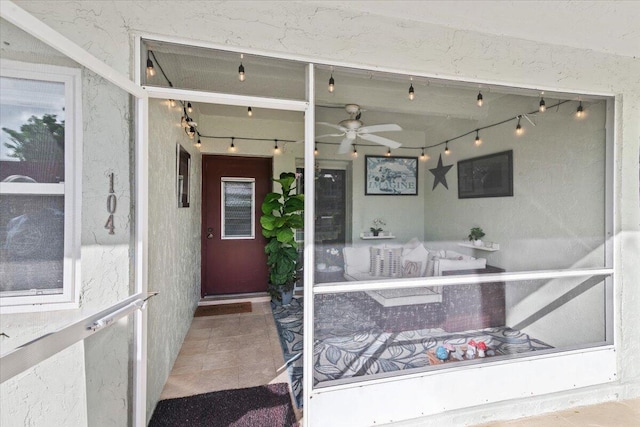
(486, 176)
(183, 160)
(391, 176)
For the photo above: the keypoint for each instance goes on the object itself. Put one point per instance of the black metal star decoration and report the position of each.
(439, 174)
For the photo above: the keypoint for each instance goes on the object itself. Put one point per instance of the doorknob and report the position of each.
(209, 233)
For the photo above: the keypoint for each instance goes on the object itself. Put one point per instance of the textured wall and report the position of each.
(105, 29)
(174, 244)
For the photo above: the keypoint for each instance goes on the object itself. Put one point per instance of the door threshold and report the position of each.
(232, 298)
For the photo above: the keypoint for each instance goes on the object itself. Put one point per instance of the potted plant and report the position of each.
(281, 215)
(377, 226)
(475, 235)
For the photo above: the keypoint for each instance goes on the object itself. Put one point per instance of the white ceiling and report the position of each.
(609, 26)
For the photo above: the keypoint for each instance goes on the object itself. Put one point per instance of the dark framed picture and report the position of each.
(183, 160)
(391, 176)
(486, 176)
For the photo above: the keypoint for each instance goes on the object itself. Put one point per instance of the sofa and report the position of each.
(413, 259)
(410, 260)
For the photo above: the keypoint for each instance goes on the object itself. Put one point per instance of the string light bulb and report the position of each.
(241, 68)
(480, 99)
(150, 70)
(199, 143)
(172, 103)
(232, 147)
(249, 112)
(446, 148)
(355, 151)
(519, 129)
(276, 149)
(543, 106)
(580, 111)
(315, 150)
(423, 156)
(189, 107)
(192, 132)
(412, 92)
(388, 153)
(332, 83)
(478, 140)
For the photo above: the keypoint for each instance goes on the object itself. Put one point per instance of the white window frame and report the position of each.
(70, 188)
(223, 213)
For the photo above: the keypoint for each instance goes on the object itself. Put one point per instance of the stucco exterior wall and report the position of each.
(174, 244)
(106, 30)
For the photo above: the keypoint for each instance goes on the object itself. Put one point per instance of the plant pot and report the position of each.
(375, 233)
(285, 298)
(477, 242)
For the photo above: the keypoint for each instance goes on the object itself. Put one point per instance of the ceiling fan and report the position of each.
(353, 127)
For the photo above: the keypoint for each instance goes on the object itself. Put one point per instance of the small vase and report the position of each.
(477, 242)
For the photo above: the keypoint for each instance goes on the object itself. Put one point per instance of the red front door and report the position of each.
(233, 258)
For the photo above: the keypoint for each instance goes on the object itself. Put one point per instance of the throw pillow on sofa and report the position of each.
(418, 254)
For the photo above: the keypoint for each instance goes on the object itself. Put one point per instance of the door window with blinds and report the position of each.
(238, 208)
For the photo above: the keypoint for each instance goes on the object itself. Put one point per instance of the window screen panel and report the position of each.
(238, 209)
(32, 244)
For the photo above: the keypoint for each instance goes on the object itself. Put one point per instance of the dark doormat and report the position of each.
(263, 406)
(216, 310)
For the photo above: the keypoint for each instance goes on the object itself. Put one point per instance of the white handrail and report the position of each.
(30, 354)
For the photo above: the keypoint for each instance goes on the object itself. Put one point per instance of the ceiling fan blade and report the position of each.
(380, 140)
(345, 145)
(330, 134)
(331, 125)
(380, 128)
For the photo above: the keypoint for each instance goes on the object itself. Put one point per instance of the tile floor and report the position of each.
(211, 360)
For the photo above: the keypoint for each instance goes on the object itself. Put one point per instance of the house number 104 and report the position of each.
(111, 206)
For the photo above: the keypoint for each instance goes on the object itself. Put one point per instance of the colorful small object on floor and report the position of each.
(482, 348)
(442, 353)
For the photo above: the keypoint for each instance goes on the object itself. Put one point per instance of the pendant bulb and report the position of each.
(249, 112)
(172, 103)
(388, 153)
(232, 147)
(315, 150)
(478, 140)
(519, 129)
(150, 70)
(355, 151)
(332, 83)
(189, 107)
(241, 72)
(192, 132)
(199, 143)
(446, 148)
(276, 149)
(423, 156)
(543, 106)
(412, 92)
(480, 99)
(580, 111)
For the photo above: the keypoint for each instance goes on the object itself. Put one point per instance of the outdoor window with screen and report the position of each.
(36, 150)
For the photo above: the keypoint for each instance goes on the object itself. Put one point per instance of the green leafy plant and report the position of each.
(282, 213)
(476, 233)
